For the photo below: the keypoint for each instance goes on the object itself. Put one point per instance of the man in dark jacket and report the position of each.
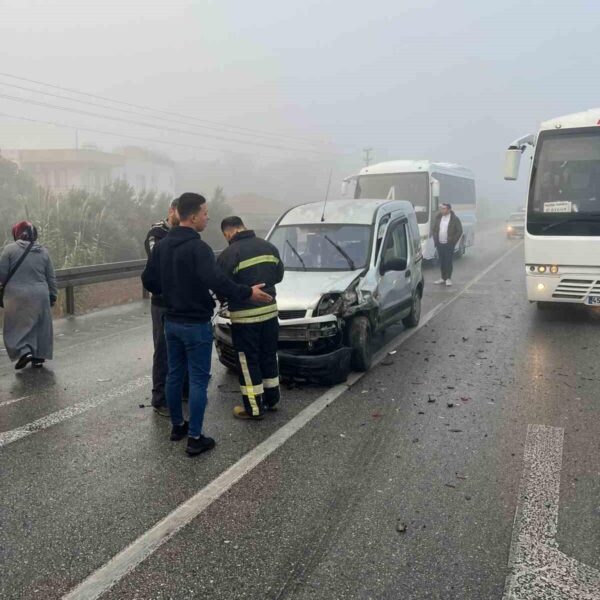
(446, 231)
(183, 269)
(157, 232)
(254, 330)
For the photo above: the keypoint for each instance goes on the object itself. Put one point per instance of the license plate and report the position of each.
(593, 300)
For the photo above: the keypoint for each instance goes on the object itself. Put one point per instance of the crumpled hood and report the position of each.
(301, 290)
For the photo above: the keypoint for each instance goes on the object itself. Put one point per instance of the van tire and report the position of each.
(360, 340)
(415, 312)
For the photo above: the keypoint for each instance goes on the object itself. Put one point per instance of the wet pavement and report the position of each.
(405, 486)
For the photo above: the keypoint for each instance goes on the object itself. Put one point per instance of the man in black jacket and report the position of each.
(183, 269)
(157, 232)
(254, 330)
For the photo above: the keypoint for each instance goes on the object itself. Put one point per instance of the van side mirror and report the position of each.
(512, 161)
(394, 264)
(435, 188)
(344, 187)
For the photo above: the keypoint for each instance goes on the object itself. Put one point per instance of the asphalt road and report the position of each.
(404, 487)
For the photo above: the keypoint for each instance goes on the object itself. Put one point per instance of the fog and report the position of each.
(292, 90)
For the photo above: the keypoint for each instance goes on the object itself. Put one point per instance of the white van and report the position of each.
(352, 268)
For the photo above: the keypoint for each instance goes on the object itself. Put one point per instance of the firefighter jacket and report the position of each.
(251, 260)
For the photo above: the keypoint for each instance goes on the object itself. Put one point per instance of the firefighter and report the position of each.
(254, 329)
(157, 232)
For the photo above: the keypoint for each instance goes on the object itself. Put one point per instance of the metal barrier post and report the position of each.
(70, 300)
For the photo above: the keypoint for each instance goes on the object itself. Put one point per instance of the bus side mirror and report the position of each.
(512, 161)
(435, 188)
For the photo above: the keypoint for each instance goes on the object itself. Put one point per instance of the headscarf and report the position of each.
(24, 230)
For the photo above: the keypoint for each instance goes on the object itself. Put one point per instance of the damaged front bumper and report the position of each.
(310, 349)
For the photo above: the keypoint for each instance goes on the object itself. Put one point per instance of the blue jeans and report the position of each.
(189, 348)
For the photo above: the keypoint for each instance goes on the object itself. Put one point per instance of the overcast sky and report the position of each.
(452, 81)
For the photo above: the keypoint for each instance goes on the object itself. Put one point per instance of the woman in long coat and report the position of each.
(28, 297)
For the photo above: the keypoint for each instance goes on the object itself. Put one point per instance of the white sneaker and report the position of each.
(448, 282)
(439, 282)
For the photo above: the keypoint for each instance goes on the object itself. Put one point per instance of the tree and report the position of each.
(218, 209)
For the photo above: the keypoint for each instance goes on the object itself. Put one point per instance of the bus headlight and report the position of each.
(540, 286)
(541, 269)
(554, 269)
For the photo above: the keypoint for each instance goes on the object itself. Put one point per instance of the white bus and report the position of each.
(425, 185)
(562, 230)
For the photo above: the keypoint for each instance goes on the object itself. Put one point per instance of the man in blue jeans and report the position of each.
(183, 269)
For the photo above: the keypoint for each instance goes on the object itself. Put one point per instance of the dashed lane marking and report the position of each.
(13, 400)
(8, 437)
(128, 559)
(538, 569)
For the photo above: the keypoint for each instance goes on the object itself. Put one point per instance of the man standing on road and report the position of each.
(447, 231)
(255, 330)
(183, 269)
(157, 232)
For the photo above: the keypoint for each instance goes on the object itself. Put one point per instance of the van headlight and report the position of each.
(329, 304)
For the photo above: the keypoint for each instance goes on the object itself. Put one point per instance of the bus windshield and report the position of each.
(413, 187)
(564, 196)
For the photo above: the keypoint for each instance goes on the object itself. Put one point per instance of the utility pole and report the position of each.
(367, 152)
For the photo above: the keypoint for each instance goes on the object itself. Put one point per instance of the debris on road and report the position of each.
(450, 485)
(455, 430)
(449, 404)
(400, 526)
(430, 399)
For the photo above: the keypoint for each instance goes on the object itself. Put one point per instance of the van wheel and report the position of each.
(415, 312)
(359, 338)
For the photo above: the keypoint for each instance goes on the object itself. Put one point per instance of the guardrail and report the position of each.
(68, 279)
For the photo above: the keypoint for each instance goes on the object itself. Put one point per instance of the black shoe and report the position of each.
(162, 410)
(23, 361)
(199, 445)
(37, 362)
(178, 432)
(271, 408)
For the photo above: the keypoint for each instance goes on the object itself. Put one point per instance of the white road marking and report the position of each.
(128, 559)
(8, 437)
(538, 570)
(13, 400)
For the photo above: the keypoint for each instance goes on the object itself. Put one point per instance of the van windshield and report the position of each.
(322, 247)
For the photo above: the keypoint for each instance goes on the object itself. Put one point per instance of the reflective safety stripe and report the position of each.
(257, 260)
(273, 382)
(258, 319)
(253, 312)
(252, 389)
(249, 387)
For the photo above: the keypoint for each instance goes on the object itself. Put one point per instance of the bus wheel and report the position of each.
(544, 305)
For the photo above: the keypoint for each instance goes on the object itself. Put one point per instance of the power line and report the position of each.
(135, 112)
(148, 108)
(104, 132)
(159, 127)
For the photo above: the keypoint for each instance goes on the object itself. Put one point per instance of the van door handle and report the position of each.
(407, 274)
